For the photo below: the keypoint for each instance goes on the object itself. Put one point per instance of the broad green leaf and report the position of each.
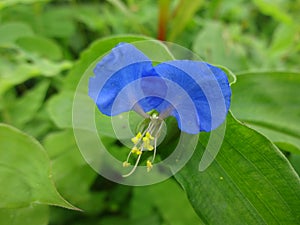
(40, 46)
(269, 102)
(31, 215)
(25, 172)
(10, 32)
(141, 204)
(184, 12)
(168, 194)
(61, 146)
(295, 161)
(25, 108)
(60, 109)
(169, 199)
(98, 48)
(249, 182)
(72, 175)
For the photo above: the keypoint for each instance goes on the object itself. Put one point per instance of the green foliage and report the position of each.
(11, 31)
(162, 196)
(40, 46)
(183, 13)
(25, 168)
(60, 109)
(269, 102)
(250, 181)
(31, 215)
(46, 47)
(274, 9)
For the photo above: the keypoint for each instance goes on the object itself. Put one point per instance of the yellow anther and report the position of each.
(126, 164)
(146, 141)
(148, 146)
(148, 135)
(137, 138)
(149, 165)
(137, 151)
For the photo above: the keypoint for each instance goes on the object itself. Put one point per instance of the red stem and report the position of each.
(163, 19)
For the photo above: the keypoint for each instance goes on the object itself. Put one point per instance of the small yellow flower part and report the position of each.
(148, 135)
(146, 141)
(137, 151)
(149, 165)
(126, 164)
(137, 138)
(149, 147)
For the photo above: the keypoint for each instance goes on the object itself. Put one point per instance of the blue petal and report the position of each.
(204, 85)
(115, 88)
(196, 93)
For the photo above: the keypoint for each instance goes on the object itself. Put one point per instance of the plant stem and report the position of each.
(163, 19)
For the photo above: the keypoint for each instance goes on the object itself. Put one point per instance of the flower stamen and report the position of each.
(145, 141)
(135, 166)
(135, 150)
(135, 140)
(126, 164)
(149, 165)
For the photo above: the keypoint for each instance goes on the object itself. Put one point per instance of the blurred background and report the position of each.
(45, 46)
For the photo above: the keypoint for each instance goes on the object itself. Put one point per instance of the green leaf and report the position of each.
(40, 46)
(10, 32)
(49, 68)
(8, 71)
(249, 182)
(269, 102)
(60, 111)
(31, 215)
(71, 173)
(168, 194)
(25, 172)
(12, 73)
(24, 109)
(59, 108)
(40, 125)
(295, 161)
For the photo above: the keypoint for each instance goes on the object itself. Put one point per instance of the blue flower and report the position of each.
(196, 93)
